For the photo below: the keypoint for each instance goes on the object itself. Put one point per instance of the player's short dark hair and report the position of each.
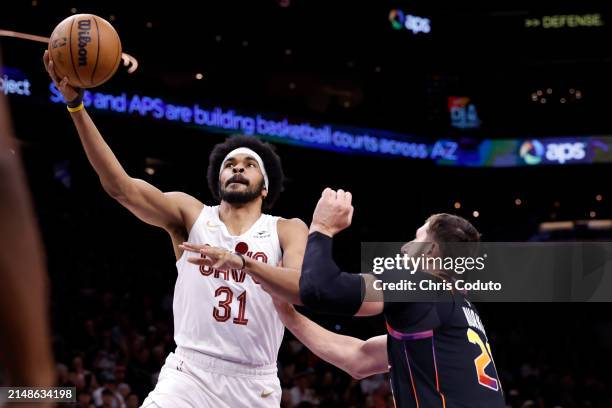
(271, 161)
(447, 229)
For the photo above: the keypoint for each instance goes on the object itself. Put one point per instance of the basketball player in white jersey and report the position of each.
(226, 328)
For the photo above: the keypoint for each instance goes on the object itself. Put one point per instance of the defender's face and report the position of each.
(421, 243)
(421, 233)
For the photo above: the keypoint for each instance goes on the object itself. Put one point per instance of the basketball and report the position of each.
(86, 49)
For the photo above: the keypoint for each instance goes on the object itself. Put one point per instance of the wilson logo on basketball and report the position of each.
(84, 39)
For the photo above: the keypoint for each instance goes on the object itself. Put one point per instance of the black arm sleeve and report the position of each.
(323, 286)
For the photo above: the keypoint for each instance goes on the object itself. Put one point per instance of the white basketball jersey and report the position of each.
(226, 314)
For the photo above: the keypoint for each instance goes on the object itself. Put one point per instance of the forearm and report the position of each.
(113, 177)
(323, 286)
(280, 282)
(338, 350)
(357, 357)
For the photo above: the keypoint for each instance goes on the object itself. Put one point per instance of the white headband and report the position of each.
(252, 154)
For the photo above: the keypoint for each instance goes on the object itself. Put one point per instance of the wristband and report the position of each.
(241, 257)
(76, 101)
(77, 108)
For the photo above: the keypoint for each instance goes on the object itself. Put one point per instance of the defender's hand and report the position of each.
(333, 213)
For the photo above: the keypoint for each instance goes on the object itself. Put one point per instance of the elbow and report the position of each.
(309, 299)
(358, 372)
(117, 189)
(357, 375)
(114, 192)
(317, 289)
(309, 293)
(364, 364)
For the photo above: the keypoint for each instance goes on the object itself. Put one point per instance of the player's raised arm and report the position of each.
(165, 210)
(359, 358)
(323, 286)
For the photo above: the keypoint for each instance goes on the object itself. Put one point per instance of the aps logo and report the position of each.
(531, 152)
(415, 24)
(534, 151)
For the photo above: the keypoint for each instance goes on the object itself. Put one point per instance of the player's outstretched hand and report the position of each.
(217, 258)
(69, 92)
(334, 212)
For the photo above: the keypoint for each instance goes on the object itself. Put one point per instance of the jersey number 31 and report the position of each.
(223, 312)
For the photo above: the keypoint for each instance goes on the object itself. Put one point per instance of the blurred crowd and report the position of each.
(111, 348)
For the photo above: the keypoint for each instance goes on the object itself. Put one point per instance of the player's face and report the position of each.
(241, 180)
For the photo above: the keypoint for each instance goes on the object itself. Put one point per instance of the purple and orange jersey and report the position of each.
(440, 356)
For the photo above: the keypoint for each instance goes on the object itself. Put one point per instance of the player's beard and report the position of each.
(242, 197)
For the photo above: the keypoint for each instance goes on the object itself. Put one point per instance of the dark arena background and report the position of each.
(498, 112)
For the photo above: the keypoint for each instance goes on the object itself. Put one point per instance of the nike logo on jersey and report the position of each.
(262, 234)
(266, 394)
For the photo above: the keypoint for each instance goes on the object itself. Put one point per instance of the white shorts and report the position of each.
(190, 379)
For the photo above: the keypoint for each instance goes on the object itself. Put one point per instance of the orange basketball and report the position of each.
(86, 49)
